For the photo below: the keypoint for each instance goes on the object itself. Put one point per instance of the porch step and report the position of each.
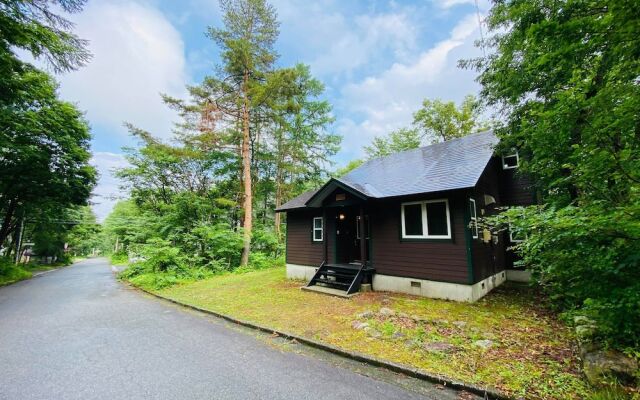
(345, 278)
(328, 290)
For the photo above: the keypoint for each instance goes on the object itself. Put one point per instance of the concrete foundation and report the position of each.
(518, 275)
(418, 287)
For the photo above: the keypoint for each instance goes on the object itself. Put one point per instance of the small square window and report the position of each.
(511, 160)
(318, 223)
(515, 235)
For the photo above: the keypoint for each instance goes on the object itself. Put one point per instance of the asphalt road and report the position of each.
(76, 333)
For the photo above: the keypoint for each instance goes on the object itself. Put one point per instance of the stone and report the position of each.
(439, 347)
(397, 335)
(585, 332)
(386, 312)
(403, 315)
(372, 332)
(366, 315)
(359, 325)
(600, 365)
(484, 343)
(460, 324)
(441, 322)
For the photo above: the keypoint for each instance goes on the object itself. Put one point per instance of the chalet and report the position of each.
(408, 223)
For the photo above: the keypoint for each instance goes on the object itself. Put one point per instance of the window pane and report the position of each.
(317, 223)
(437, 218)
(317, 234)
(472, 209)
(510, 161)
(413, 219)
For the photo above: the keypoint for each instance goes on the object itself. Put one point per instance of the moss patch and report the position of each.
(528, 351)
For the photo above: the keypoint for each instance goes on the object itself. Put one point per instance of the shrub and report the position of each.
(9, 272)
(588, 260)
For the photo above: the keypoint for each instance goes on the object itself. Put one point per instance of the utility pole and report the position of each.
(19, 241)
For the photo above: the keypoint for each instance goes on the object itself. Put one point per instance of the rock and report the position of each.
(583, 320)
(441, 322)
(418, 318)
(585, 332)
(484, 343)
(403, 315)
(366, 315)
(410, 343)
(386, 312)
(372, 332)
(439, 347)
(397, 335)
(359, 325)
(460, 324)
(600, 365)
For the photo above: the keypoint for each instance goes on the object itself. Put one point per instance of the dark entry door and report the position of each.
(348, 236)
(345, 236)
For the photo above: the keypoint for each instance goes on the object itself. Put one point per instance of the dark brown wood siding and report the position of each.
(436, 259)
(488, 258)
(301, 249)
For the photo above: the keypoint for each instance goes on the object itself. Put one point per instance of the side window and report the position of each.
(473, 223)
(510, 160)
(366, 227)
(318, 229)
(515, 236)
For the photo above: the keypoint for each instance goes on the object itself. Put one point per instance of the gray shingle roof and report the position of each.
(455, 164)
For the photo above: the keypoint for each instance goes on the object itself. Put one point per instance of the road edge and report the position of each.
(488, 393)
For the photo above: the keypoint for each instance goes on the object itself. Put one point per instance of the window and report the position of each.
(516, 236)
(473, 223)
(510, 161)
(317, 229)
(366, 227)
(426, 220)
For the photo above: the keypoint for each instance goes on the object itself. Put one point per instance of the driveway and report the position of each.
(77, 333)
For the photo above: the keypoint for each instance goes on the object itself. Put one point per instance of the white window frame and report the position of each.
(314, 229)
(511, 232)
(473, 218)
(425, 225)
(514, 154)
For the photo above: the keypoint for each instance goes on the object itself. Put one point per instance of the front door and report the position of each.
(348, 235)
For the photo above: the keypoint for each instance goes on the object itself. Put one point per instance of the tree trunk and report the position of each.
(246, 174)
(5, 230)
(278, 200)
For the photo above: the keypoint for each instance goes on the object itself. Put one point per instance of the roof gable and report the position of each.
(450, 165)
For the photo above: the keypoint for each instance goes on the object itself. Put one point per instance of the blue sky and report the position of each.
(378, 60)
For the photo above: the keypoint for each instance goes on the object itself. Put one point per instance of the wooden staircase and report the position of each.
(339, 279)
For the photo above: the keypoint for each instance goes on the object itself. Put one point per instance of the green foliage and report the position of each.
(397, 141)
(120, 258)
(353, 164)
(436, 121)
(565, 76)
(442, 121)
(587, 259)
(45, 141)
(9, 272)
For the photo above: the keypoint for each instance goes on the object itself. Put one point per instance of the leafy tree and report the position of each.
(565, 75)
(398, 140)
(351, 165)
(45, 153)
(246, 44)
(44, 142)
(441, 121)
(84, 237)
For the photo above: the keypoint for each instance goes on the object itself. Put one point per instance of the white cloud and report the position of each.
(452, 3)
(333, 42)
(107, 192)
(137, 54)
(387, 101)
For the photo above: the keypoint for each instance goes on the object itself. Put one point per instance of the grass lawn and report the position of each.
(531, 352)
